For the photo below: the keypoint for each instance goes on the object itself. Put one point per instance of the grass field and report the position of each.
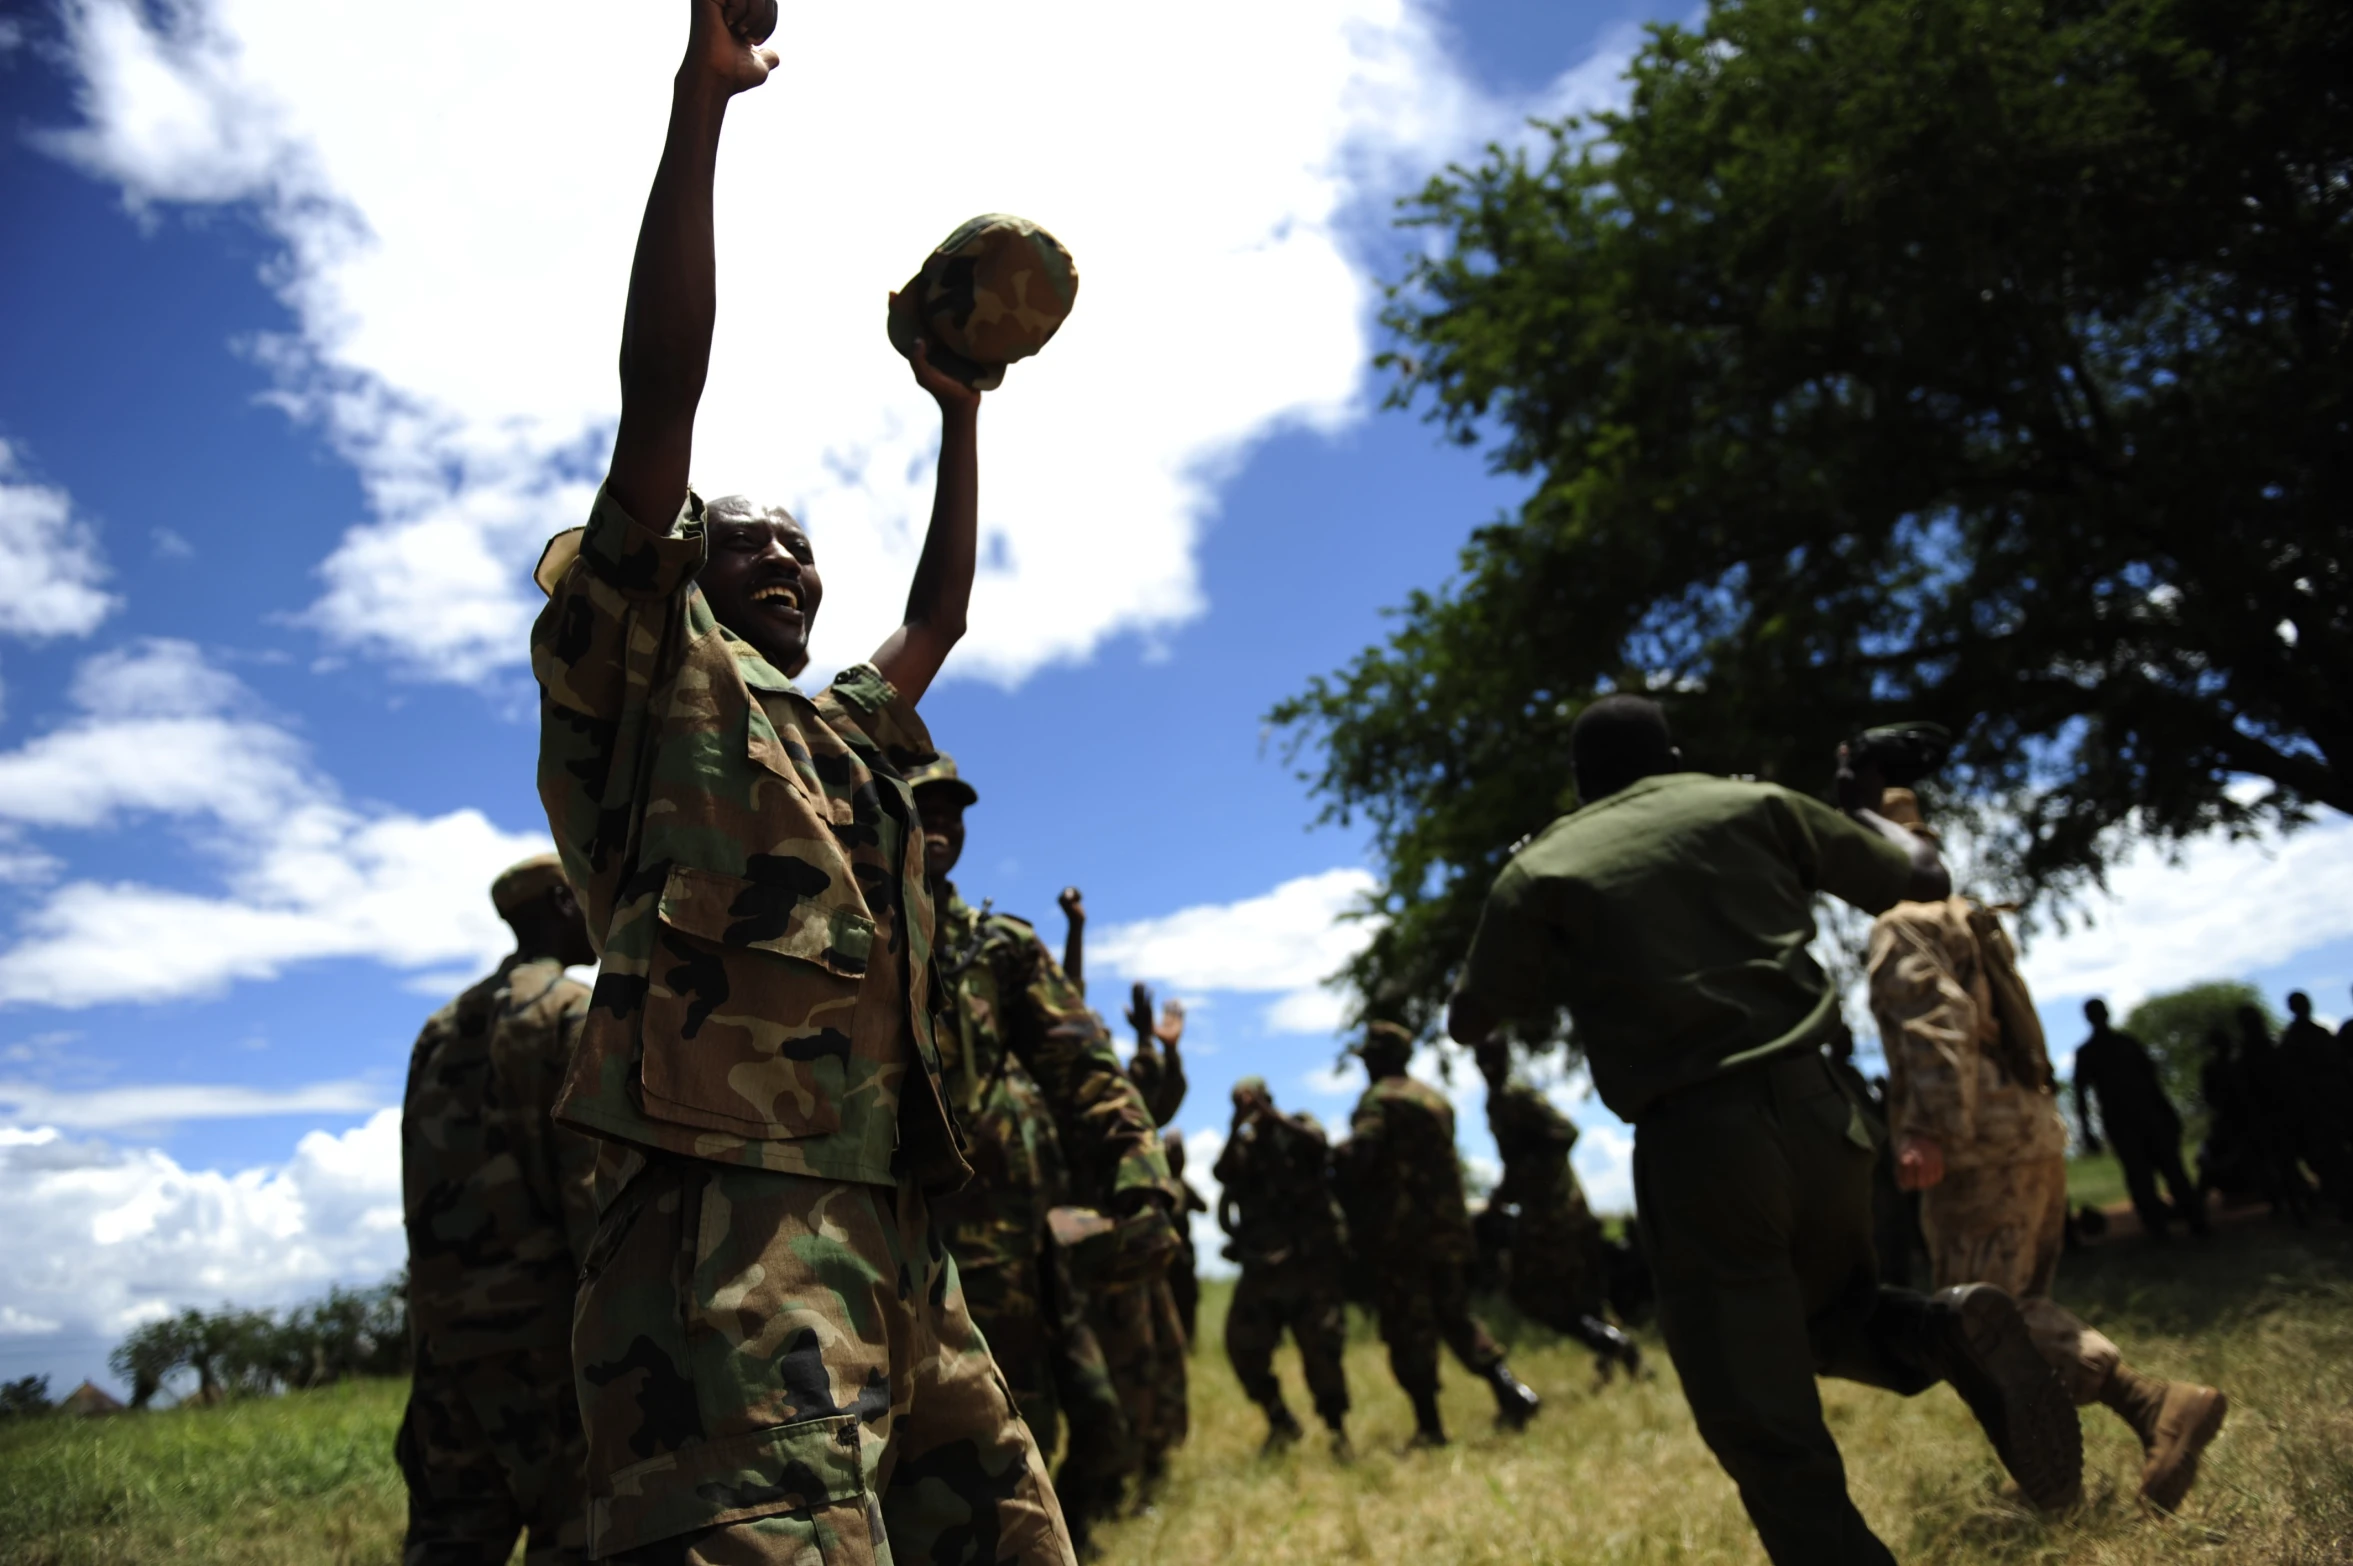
(1610, 1476)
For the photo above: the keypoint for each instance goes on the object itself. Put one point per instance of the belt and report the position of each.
(1788, 1078)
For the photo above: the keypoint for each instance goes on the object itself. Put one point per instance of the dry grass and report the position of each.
(1618, 1475)
(1606, 1476)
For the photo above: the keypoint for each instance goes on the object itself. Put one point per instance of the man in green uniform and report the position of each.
(1275, 1204)
(772, 1349)
(1556, 1258)
(1402, 1163)
(499, 1203)
(1003, 1002)
(1670, 917)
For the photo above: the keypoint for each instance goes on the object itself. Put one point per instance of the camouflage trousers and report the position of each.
(1425, 1303)
(2005, 1224)
(1036, 1327)
(777, 1368)
(1144, 1345)
(492, 1449)
(1306, 1299)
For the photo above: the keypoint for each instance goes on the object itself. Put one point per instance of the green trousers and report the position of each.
(1755, 1199)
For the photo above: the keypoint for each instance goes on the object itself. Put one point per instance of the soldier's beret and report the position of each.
(940, 773)
(520, 885)
(995, 291)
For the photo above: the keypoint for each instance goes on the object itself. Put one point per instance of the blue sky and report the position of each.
(293, 386)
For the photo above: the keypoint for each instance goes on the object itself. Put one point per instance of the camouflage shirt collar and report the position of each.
(758, 673)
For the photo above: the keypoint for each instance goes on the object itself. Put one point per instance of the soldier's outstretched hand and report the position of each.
(1074, 906)
(951, 394)
(1170, 1030)
(727, 42)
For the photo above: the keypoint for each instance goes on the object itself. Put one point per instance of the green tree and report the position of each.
(149, 1355)
(23, 1397)
(1985, 361)
(2174, 1026)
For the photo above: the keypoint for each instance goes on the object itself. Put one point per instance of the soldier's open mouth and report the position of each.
(778, 593)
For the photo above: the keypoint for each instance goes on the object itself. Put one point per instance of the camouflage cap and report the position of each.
(996, 290)
(520, 885)
(1382, 1038)
(940, 773)
(1251, 1087)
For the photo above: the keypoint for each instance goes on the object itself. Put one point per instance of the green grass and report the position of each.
(304, 1478)
(1614, 1475)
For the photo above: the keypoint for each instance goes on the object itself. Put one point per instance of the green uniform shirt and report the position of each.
(1672, 920)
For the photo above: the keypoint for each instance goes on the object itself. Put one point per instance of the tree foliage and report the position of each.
(232, 1352)
(1984, 361)
(24, 1397)
(2174, 1026)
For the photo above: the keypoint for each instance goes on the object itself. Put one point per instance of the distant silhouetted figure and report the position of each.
(2143, 1127)
(2271, 1091)
(2318, 1118)
(2230, 1161)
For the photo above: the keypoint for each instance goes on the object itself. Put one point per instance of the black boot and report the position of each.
(1428, 1428)
(1515, 1401)
(1974, 1338)
(1612, 1349)
(1282, 1429)
(1336, 1421)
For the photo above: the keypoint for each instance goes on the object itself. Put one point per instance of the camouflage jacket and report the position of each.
(1005, 1002)
(1275, 1192)
(749, 863)
(1408, 1180)
(1947, 1078)
(1018, 1176)
(497, 1196)
(1533, 1139)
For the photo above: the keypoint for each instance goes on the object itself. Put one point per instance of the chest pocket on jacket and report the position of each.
(750, 996)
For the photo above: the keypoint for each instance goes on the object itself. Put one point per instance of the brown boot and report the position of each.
(2175, 1421)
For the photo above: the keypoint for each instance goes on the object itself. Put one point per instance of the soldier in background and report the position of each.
(1557, 1269)
(1184, 1269)
(2322, 1122)
(1276, 1206)
(1978, 1131)
(1002, 996)
(1158, 1065)
(2143, 1126)
(1408, 1182)
(499, 1202)
(2271, 1099)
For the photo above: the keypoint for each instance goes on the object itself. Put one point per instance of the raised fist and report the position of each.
(725, 42)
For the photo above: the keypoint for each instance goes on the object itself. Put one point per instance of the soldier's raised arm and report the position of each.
(673, 280)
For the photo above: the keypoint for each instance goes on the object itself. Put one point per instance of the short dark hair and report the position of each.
(1618, 740)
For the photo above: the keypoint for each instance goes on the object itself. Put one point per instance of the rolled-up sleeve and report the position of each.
(861, 698)
(617, 617)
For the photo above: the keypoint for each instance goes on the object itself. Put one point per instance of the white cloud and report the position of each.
(164, 1103)
(458, 202)
(2225, 910)
(1288, 940)
(305, 875)
(102, 1239)
(50, 566)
